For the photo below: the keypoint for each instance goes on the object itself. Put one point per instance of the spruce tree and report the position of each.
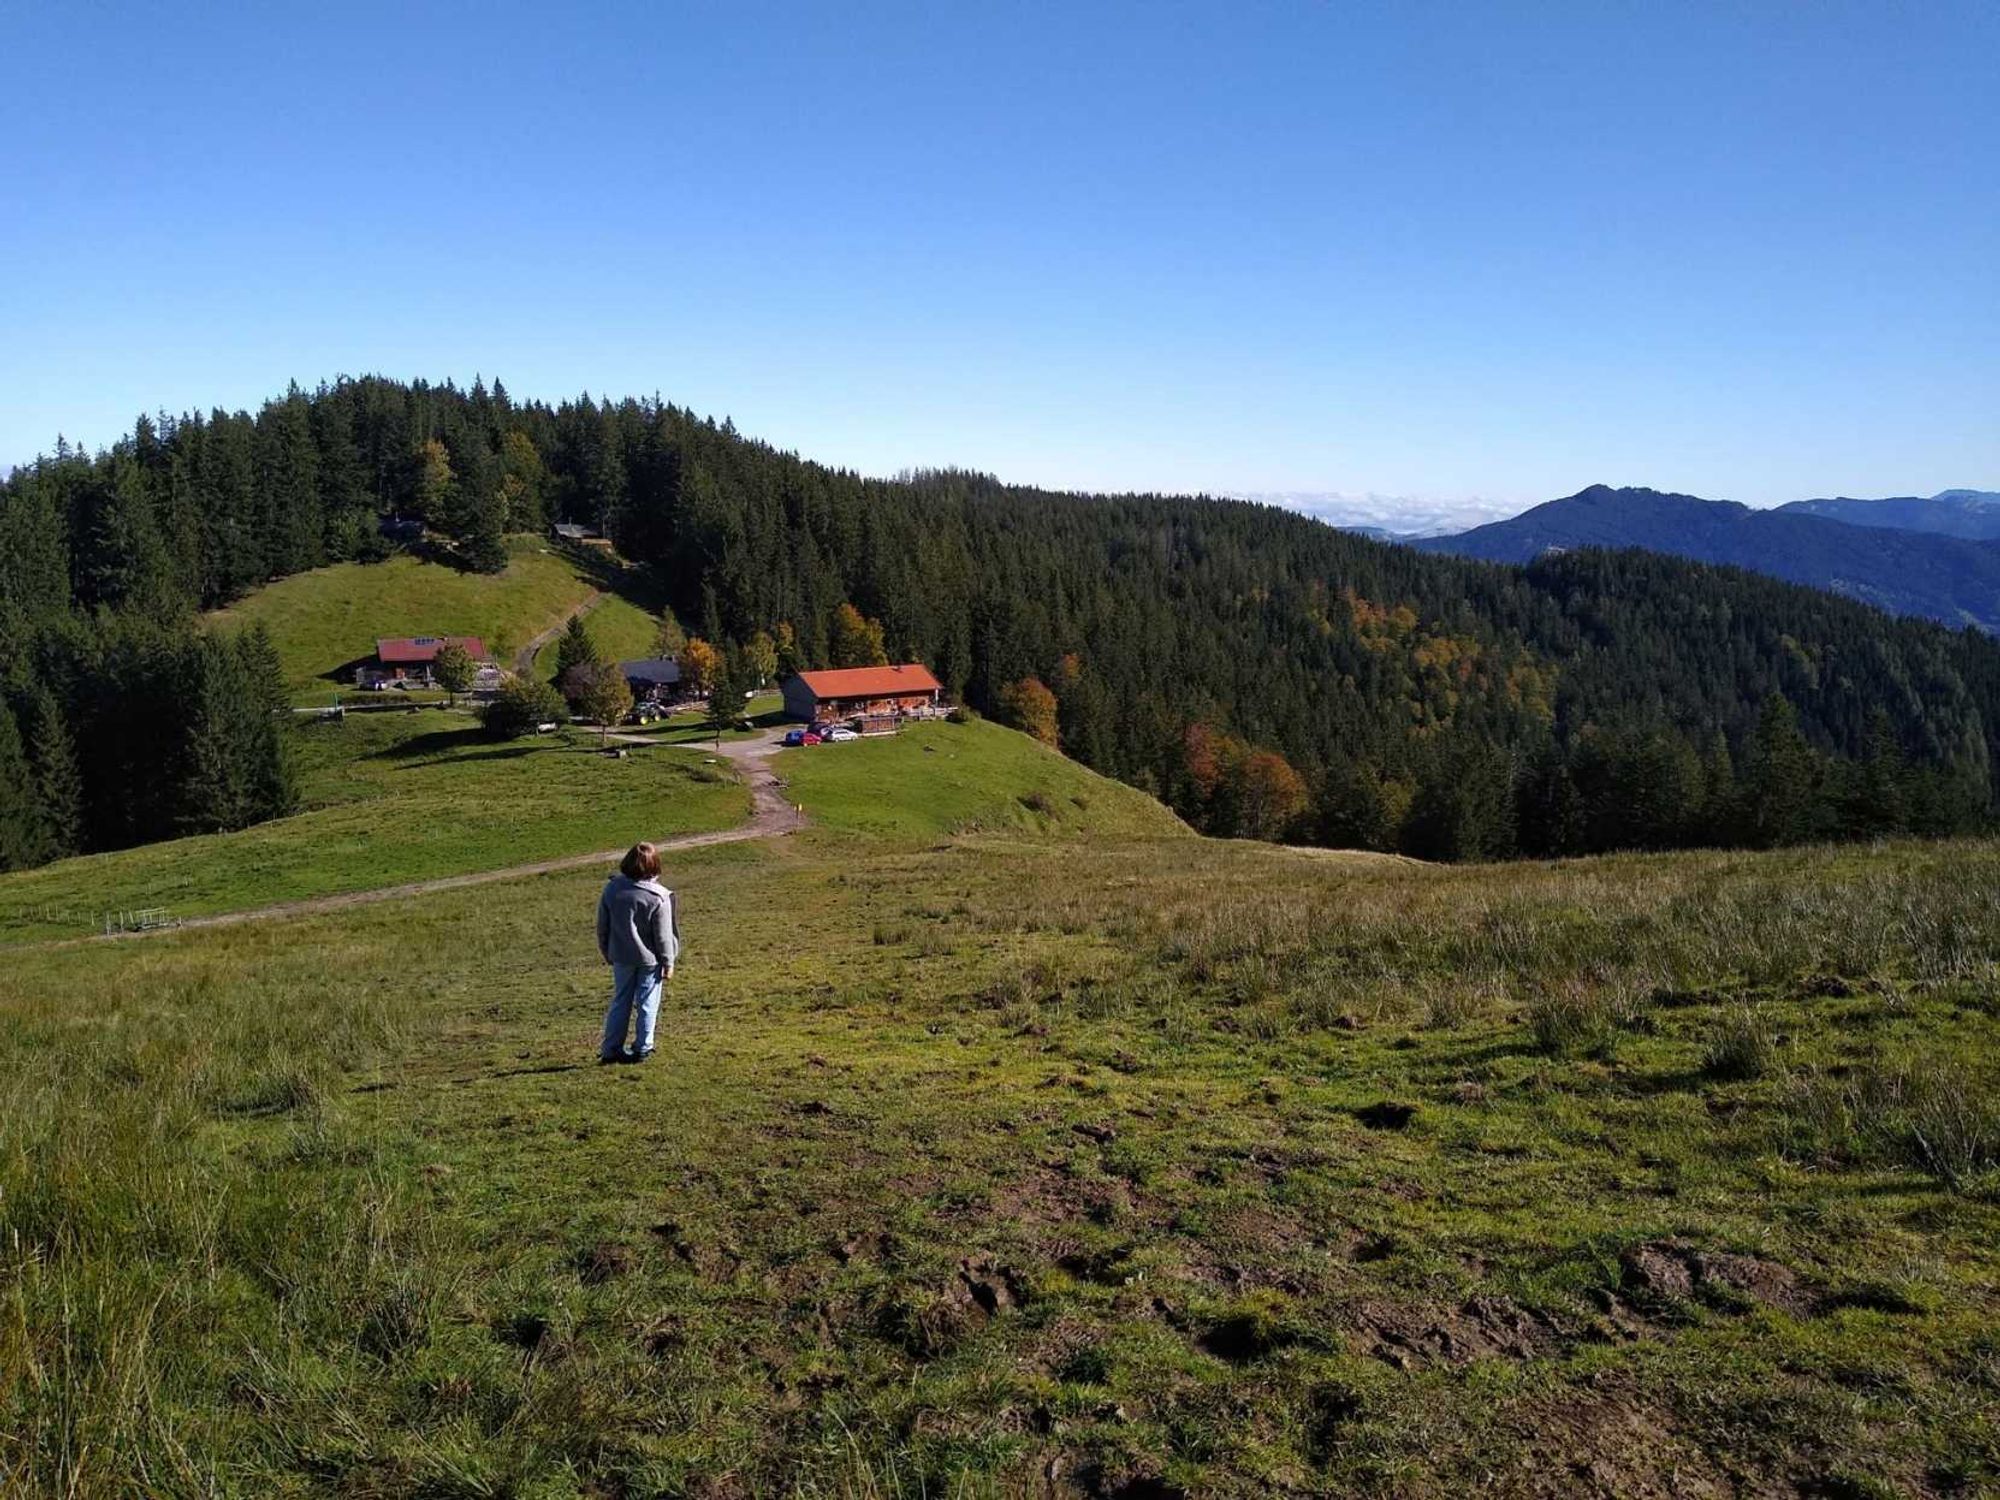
(575, 649)
(24, 839)
(269, 777)
(57, 778)
(1780, 784)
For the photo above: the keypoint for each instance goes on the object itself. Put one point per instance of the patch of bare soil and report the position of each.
(1408, 1337)
(1607, 1444)
(1660, 1273)
(600, 1263)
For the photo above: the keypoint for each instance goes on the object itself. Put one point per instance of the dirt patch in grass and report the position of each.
(1661, 1273)
(1615, 1444)
(600, 1263)
(1407, 1337)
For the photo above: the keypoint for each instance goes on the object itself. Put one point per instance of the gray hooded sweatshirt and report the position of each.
(638, 923)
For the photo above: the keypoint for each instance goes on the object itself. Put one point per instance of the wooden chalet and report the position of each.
(879, 696)
(409, 658)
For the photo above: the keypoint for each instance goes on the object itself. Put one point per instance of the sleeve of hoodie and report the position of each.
(665, 937)
(604, 925)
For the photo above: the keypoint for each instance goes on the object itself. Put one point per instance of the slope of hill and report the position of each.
(1973, 515)
(1010, 1162)
(328, 618)
(1934, 577)
(386, 799)
(1260, 672)
(937, 779)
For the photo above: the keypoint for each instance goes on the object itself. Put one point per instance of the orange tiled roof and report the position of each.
(872, 682)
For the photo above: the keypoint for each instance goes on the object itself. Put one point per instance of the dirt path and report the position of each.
(524, 659)
(771, 816)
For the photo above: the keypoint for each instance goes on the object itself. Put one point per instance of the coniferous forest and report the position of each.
(1264, 674)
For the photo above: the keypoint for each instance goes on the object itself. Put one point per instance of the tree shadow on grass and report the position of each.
(443, 742)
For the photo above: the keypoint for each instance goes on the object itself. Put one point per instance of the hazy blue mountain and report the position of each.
(1973, 515)
(1907, 572)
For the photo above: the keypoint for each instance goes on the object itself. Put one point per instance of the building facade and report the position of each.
(880, 695)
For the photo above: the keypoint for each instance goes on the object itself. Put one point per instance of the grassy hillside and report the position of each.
(391, 798)
(332, 616)
(951, 778)
(981, 1159)
(624, 630)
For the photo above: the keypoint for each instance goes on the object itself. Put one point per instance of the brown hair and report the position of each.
(641, 862)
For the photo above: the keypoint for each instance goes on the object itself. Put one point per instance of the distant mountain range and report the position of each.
(1938, 559)
(1973, 515)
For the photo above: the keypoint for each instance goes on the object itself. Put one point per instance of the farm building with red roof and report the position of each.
(880, 695)
(409, 658)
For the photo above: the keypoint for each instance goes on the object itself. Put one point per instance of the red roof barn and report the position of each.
(409, 658)
(862, 692)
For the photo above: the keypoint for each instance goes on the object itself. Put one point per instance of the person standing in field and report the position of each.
(638, 933)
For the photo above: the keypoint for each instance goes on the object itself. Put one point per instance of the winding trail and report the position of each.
(771, 816)
(524, 659)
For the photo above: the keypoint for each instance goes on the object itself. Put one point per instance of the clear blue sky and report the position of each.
(1745, 250)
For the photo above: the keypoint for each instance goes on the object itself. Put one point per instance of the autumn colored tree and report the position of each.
(761, 659)
(786, 639)
(1202, 758)
(855, 640)
(699, 662)
(1030, 707)
(1270, 795)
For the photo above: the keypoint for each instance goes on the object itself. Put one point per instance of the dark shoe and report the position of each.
(639, 1057)
(621, 1057)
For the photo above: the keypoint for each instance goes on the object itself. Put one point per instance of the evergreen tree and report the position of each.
(1779, 791)
(24, 834)
(270, 778)
(575, 649)
(288, 486)
(213, 794)
(523, 483)
(669, 641)
(435, 491)
(58, 781)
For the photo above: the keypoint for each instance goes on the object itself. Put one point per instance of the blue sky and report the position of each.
(1437, 251)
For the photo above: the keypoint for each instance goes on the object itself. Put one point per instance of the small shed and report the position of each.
(881, 695)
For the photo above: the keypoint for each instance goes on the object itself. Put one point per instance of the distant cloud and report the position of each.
(1405, 515)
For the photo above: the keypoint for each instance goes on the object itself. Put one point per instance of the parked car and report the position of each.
(798, 738)
(840, 733)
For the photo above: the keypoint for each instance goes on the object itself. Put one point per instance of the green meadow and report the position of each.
(391, 798)
(1007, 1139)
(326, 619)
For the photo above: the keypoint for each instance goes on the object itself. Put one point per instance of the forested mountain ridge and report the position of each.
(1263, 673)
(1971, 514)
(1923, 572)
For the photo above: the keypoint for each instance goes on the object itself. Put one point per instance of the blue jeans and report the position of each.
(635, 1002)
